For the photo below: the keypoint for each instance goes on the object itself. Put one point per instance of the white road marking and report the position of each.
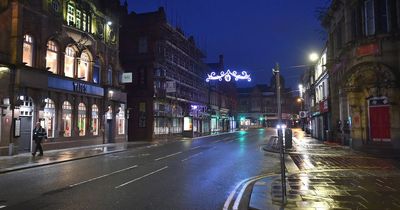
(134, 180)
(2, 207)
(167, 156)
(195, 147)
(230, 141)
(192, 156)
(105, 175)
(230, 197)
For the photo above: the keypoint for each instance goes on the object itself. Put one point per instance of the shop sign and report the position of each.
(323, 106)
(127, 78)
(368, 49)
(74, 86)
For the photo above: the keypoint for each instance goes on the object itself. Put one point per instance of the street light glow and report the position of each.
(313, 57)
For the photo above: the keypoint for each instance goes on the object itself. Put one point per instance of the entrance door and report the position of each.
(379, 120)
(109, 131)
(26, 134)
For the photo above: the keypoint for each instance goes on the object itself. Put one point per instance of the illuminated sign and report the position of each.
(228, 76)
(187, 124)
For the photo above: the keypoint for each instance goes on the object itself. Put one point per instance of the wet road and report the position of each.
(188, 174)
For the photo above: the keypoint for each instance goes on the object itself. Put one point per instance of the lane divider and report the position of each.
(134, 180)
(190, 157)
(193, 148)
(167, 156)
(2, 207)
(105, 175)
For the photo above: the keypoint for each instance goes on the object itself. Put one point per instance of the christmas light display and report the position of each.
(228, 76)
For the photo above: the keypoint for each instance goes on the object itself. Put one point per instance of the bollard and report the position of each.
(288, 138)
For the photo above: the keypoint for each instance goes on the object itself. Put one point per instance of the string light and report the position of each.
(228, 76)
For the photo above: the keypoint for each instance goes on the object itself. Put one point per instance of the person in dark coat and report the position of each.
(38, 134)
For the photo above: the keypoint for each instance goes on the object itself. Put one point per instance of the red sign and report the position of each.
(323, 106)
(368, 49)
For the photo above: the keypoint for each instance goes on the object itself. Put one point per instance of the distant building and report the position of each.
(59, 65)
(258, 106)
(363, 67)
(169, 95)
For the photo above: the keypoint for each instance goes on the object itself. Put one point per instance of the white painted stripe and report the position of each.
(192, 156)
(167, 156)
(195, 147)
(240, 195)
(230, 141)
(230, 197)
(105, 175)
(126, 183)
(2, 207)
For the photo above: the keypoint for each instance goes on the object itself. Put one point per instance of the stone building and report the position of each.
(169, 95)
(363, 67)
(59, 65)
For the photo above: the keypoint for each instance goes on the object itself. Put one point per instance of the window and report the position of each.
(82, 119)
(109, 76)
(369, 17)
(143, 45)
(66, 119)
(78, 19)
(121, 120)
(69, 64)
(52, 57)
(84, 22)
(27, 54)
(96, 71)
(94, 125)
(384, 15)
(71, 14)
(84, 67)
(49, 117)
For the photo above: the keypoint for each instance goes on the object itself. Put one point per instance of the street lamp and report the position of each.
(313, 57)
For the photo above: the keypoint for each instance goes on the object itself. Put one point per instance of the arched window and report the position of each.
(84, 67)
(69, 64)
(94, 125)
(82, 119)
(27, 54)
(49, 117)
(66, 118)
(52, 57)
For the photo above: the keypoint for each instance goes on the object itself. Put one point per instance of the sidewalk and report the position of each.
(329, 176)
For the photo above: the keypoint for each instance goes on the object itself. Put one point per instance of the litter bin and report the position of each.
(288, 138)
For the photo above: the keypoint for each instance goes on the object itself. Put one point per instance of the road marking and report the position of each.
(230, 141)
(2, 207)
(195, 148)
(167, 156)
(105, 175)
(151, 173)
(230, 197)
(192, 156)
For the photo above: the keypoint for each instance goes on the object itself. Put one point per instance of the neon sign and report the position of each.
(228, 76)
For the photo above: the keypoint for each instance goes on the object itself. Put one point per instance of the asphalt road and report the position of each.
(189, 174)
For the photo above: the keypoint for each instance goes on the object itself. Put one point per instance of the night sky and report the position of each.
(251, 34)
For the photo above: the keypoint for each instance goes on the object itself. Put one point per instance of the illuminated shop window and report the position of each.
(52, 57)
(69, 64)
(66, 119)
(121, 120)
(95, 120)
(82, 119)
(49, 117)
(27, 54)
(84, 67)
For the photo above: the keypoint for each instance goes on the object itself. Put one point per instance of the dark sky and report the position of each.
(252, 34)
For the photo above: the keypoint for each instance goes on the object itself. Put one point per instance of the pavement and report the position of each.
(329, 176)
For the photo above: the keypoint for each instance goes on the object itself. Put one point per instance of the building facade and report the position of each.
(169, 95)
(60, 66)
(363, 67)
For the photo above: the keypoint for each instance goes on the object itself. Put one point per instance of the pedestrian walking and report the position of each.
(38, 134)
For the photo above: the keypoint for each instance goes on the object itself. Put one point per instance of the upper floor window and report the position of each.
(77, 17)
(96, 71)
(52, 57)
(84, 67)
(384, 15)
(69, 63)
(109, 76)
(369, 17)
(27, 54)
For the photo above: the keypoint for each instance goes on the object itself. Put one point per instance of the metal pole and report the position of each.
(280, 132)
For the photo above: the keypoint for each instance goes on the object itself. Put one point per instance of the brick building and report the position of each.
(169, 95)
(59, 65)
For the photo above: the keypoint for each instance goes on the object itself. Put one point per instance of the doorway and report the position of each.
(379, 120)
(26, 115)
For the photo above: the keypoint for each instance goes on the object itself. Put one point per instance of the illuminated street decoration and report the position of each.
(228, 76)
